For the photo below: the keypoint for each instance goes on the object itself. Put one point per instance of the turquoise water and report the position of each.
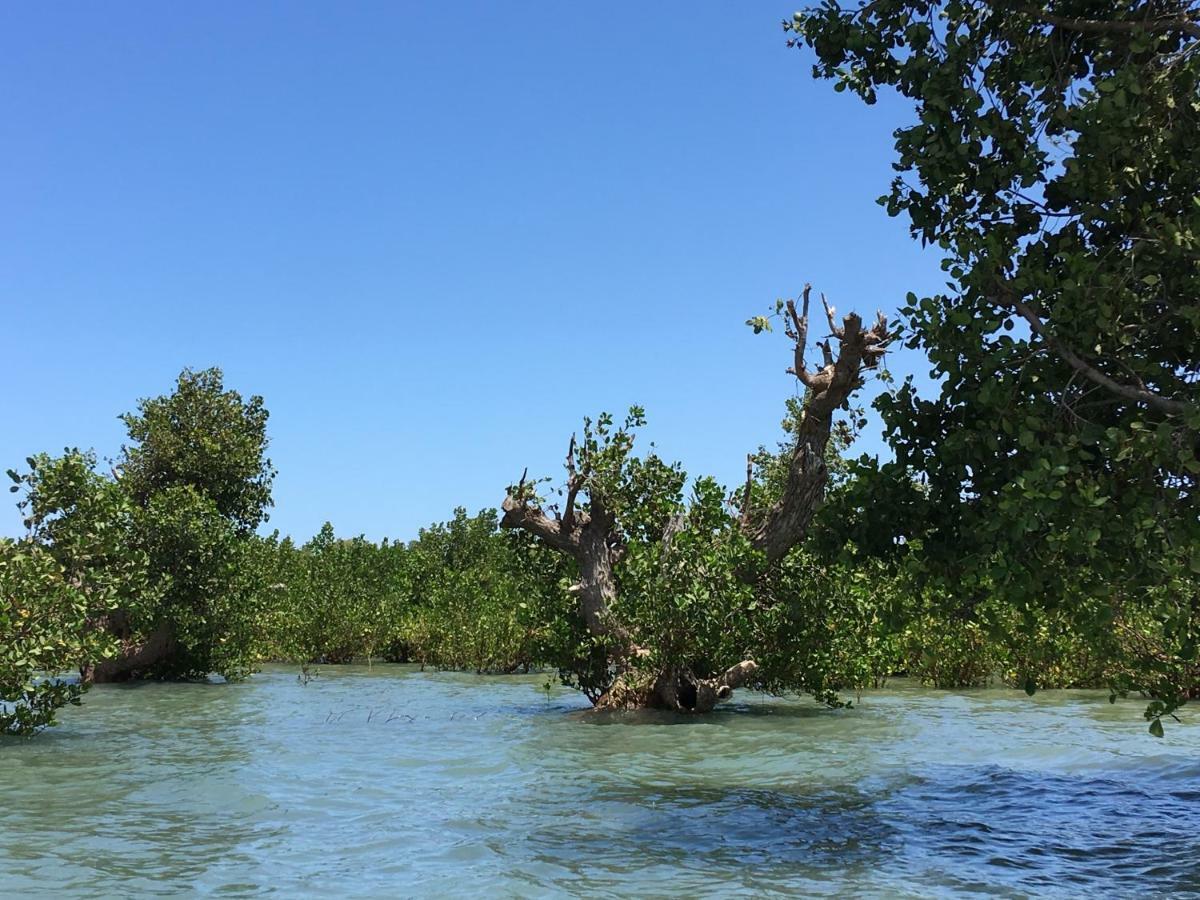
(389, 782)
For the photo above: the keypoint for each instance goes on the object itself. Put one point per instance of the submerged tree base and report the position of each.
(677, 690)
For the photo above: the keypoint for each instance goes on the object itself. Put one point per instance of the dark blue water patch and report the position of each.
(953, 830)
(1112, 833)
(778, 835)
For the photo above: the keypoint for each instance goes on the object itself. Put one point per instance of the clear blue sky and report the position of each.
(433, 236)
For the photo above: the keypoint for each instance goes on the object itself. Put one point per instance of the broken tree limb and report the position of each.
(786, 523)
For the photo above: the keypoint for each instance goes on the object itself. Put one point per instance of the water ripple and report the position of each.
(389, 781)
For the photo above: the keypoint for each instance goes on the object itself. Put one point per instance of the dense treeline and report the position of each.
(462, 595)
(154, 571)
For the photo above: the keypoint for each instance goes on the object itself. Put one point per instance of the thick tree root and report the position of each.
(134, 657)
(675, 689)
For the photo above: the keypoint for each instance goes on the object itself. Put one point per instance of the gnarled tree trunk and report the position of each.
(594, 540)
(133, 655)
(786, 523)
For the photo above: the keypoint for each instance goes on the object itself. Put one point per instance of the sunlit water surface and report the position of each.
(389, 782)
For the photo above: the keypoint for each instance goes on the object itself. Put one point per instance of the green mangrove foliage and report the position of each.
(480, 597)
(44, 620)
(154, 571)
(197, 475)
(63, 585)
(333, 600)
(462, 595)
(142, 572)
(1054, 158)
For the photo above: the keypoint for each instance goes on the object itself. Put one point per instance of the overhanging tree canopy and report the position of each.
(1054, 157)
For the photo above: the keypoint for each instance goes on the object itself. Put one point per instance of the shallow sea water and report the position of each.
(390, 782)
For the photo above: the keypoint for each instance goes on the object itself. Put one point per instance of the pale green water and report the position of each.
(390, 782)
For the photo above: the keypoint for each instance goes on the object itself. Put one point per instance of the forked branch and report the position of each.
(786, 523)
(797, 330)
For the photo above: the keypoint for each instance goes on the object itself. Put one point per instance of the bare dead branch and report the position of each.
(746, 496)
(786, 523)
(590, 538)
(519, 513)
(799, 333)
(826, 352)
(723, 686)
(573, 485)
(735, 676)
(829, 314)
(674, 525)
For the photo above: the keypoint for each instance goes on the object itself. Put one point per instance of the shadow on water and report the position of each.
(918, 793)
(726, 826)
(728, 714)
(984, 829)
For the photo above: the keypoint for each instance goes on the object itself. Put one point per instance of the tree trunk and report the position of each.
(786, 523)
(594, 540)
(597, 584)
(674, 689)
(133, 655)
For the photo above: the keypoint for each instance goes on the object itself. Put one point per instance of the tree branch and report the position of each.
(1096, 26)
(735, 676)
(746, 496)
(518, 513)
(786, 523)
(723, 686)
(1154, 401)
(799, 333)
(829, 314)
(826, 352)
(674, 526)
(573, 485)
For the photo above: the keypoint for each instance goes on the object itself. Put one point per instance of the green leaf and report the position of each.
(759, 324)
